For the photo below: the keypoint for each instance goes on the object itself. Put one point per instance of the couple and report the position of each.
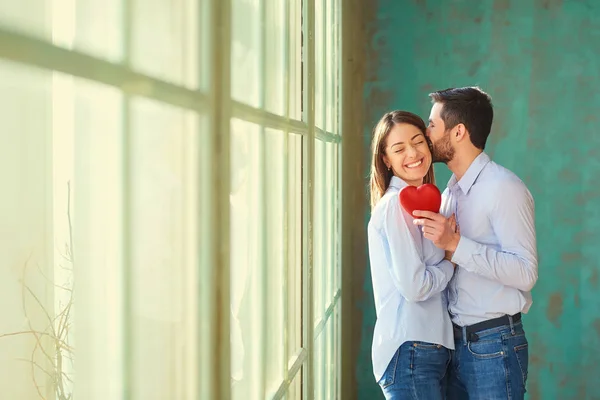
(449, 288)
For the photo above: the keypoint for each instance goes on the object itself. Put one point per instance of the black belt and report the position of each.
(471, 330)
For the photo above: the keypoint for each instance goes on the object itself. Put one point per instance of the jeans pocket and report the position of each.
(429, 356)
(427, 346)
(484, 349)
(522, 354)
(389, 376)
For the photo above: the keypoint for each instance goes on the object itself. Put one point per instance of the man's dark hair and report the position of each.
(470, 106)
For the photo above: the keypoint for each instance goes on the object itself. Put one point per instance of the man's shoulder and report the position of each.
(497, 184)
(496, 177)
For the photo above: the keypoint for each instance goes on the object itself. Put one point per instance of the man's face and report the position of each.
(439, 136)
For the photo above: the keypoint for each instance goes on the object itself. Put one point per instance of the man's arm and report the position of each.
(513, 222)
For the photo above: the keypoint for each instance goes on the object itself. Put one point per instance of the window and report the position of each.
(176, 209)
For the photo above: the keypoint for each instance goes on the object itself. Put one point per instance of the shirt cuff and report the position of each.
(447, 268)
(464, 252)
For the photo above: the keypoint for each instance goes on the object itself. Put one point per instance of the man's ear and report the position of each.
(460, 132)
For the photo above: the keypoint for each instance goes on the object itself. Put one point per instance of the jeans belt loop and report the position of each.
(512, 326)
(473, 337)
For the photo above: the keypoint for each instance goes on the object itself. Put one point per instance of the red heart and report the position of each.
(426, 197)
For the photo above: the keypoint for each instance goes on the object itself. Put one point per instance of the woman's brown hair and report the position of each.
(380, 175)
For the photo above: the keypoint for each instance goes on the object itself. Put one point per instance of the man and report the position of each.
(494, 248)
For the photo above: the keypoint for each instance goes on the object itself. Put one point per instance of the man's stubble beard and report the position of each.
(442, 151)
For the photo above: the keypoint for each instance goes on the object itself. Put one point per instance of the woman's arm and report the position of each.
(415, 280)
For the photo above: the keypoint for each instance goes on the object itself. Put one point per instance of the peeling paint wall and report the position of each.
(540, 61)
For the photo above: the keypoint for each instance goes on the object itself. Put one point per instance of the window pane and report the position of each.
(27, 251)
(320, 226)
(276, 239)
(18, 16)
(275, 56)
(295, 59)
(165, 40)
(330, 62)
(245, 52)
(277, 242)
(294, 266)
(162, 212)
(337, 345)
(330, 368)
(337, 84)
(88, 124)
(295, 389)
(99, 28)
(319, 63)
(206, 240)
(330, 190)
(319, 371)
(245, 246)
(336, 217)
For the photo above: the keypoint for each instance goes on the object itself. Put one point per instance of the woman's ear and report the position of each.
(386, 161)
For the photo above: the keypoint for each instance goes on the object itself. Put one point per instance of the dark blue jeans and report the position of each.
(494, 367)
(417, 372)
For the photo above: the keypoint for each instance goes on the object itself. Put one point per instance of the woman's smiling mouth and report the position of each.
(415, 164)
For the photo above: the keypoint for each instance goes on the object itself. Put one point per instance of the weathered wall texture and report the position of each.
(540, 61)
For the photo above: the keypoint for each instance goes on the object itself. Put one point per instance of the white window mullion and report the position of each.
(326, 136)
(36, 52)
(260, 276)
(268, 119)
(213, 318)
(289, 211)
(296, 355)
(127, 261)
(308, 161)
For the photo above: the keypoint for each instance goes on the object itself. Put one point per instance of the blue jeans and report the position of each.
(417, 372)
(494, 367)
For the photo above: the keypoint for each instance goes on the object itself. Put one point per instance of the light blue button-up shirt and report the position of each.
(409, 276)
(497, 253)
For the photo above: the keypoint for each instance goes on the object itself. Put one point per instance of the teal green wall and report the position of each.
(540, 61)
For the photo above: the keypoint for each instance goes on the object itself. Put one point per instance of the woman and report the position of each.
(413, 332)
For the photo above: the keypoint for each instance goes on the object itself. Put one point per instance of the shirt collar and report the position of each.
(397, 183)
(471, 175)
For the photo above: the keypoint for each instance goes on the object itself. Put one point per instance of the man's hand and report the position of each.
(440, 230)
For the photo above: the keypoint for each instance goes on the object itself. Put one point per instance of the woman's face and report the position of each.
(407, 152)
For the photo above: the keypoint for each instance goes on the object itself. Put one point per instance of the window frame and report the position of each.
(213, 212)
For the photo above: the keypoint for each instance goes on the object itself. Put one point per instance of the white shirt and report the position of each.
(497, 252)
(409, 276)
